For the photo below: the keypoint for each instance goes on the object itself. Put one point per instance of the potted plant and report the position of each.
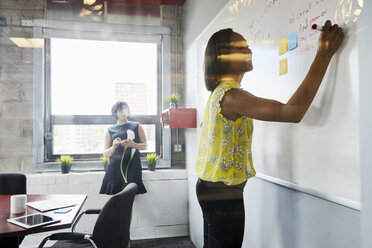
(151, 160)
(173, 100)
(105, 161)
(65, 162)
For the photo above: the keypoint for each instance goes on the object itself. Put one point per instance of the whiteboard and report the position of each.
(322, 152)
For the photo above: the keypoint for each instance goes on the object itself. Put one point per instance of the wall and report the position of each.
(365, 113)
(16, 72)
(275, 216)
(198, 15)
(171, 16)
(162, 212)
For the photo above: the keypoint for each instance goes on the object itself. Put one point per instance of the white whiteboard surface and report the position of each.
(322, 152)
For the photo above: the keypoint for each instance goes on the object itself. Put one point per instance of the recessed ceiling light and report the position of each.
(61, 1)
(28, 42)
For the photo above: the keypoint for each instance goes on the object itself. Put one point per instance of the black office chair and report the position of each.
(112, 226)
(12, 184)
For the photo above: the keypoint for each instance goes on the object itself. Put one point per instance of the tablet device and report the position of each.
(51, 204)
(33, 220)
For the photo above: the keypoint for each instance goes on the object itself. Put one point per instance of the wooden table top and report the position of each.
(11, 230)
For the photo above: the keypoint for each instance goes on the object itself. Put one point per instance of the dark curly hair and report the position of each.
(118, 106)
(218, 44)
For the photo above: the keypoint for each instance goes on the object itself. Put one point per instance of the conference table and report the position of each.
(8, 230)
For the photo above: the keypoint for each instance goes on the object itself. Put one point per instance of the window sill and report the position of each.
(81, 177)
(87, 166)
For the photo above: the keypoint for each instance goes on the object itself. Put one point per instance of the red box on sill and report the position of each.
(179, 118)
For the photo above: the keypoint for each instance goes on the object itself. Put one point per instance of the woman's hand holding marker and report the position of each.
(330, 39)
(316, 27)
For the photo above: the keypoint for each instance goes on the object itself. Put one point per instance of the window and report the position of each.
(84, 78)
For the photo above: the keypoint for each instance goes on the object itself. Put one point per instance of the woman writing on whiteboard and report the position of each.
(224, 161)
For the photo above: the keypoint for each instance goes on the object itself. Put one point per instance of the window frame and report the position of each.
(51, 120)
(68, 29)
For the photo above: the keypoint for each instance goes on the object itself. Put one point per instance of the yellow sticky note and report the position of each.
(283, 66)
(283, 45)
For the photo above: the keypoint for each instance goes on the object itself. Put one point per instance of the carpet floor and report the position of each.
(177, 242)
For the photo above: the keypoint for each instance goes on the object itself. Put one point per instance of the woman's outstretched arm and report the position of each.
(240, 102)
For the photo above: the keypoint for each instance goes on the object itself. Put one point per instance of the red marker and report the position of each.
(316, 27)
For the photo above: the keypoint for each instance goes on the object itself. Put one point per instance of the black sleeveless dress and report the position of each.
(116, 177)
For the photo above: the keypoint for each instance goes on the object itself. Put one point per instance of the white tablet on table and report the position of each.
(33, 220)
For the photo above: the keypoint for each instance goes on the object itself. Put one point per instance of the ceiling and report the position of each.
(136, 2)
(119, 7)
(151, 2)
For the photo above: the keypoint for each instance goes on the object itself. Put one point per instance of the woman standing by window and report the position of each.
(124, 164)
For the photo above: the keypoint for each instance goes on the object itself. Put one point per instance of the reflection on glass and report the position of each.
(89, 2)
(234, 7)
(348, 11)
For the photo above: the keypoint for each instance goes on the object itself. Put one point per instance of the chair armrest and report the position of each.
(88, 211)
(68, 236)
(93, 211)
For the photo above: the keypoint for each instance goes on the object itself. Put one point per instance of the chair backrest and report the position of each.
(112, 227)
(12, 184)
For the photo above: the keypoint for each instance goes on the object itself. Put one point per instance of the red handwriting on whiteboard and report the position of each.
(270, 3)
(305, 49)
(306, 24)
(255, 30)
(314, 19)
(292, 18)
(301, 12)
(298, 15)
(303, 26)
(304, 11)
(317, 2)
(305, 34)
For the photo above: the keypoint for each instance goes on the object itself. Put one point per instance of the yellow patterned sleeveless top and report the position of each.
(225, 145)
